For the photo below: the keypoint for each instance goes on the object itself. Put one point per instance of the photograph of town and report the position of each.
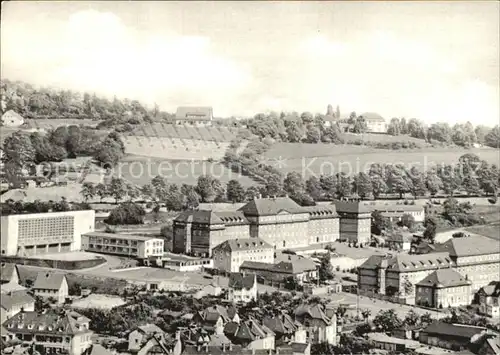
(250, 178)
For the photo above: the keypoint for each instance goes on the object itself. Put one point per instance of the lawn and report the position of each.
(380, 138)
(98, 301)
(490, 230)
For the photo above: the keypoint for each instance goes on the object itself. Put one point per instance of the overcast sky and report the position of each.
(434, 61)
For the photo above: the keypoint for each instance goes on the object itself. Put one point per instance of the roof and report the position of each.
(256, 265)
(238, 281)
(472, 245)
(314, 311)
(65, 322)
(212, 314)
(232, 245)
(120, 236)
(282, 323)
(397, 208)
(232, 217)
(7, 270)
(251, 330)
(492, 289)
(13, 113)
(16, 298)
(214, 350)
(97, 349)
(199, 216)
(271, 206)
(352, 207)
(299, 348)
(444, 278)
(402, 237)
(462, 331)
(372, 116)
(150, 328)
(409, 263)
(298, 264)
(49, 281)
(11, 287)
(321, 211)
(194, 112)
(494, 344)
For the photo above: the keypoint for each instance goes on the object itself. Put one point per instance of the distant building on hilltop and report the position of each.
(12, 119)
(374, 122)
(195, 115)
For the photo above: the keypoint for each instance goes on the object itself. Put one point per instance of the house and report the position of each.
(9, 273)
(12, 119)
(229, 255)
(454, 337)
(140, 336)
(389, 343)
(51, 286)
(214, 318)
(400, 240)
(443, 288)
(97, 349)
(242, 288)
(194, 115)
(490, 345)
(252, 335)
(319, 326)
(489, 299)
(208, 290)
(14, 302)
(374, 122)
(286, 329)
(51, 331)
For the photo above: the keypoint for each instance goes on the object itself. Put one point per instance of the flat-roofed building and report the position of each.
(43, 233)
(194, 115)
(229, 255)
(133, 246)
(442, 289)
(355, 221)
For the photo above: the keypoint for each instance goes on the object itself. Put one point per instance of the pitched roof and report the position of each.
(282, 323)
(491, 289)
(199, 216)
(66, 322)
(314, 311)
(238, 281)
(372, 116)
(472, 245)
(212, 313)
(11, 287)
(194, 112)
(321, 211)
(351, 207)
(13, 113)
(494, 344)
(243, 244)
(232, 218)
(296, 265)
(150, 328)
(256, 265)
(15, 299)
(49, 281)
(271, 206)
(251, 330)
(97, 349)
(6, 271)
(463, 331)
(299, 348)
(443, 278)
(409, 263)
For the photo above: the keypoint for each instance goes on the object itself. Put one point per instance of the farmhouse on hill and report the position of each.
(195, 115)
(374, 122)
(12, 119)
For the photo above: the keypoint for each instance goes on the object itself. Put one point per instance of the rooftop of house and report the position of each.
(212, 313)
(472, 245)
(65, 322)
(271, 206)
(11, 287)
(315, 311)
(194, 112)
(492, 289)
(15, 299)
(400, 237)
(372, 116)
(294, 264)
(7, 271)
(97, 349)
(281, 324)
(443, 278)
(461, 331)
(139, 238)
(150, 329)
(243, 244)
(251, 330)
(238, 281)
(212, 217)
(49, 281)
(13, 113)
(409, 263)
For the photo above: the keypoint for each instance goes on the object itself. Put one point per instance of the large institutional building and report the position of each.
(43, 233)
(278, 221)
(474, 257)
(134, 246)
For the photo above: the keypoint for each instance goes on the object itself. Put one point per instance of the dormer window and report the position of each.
(20, 325)
(30, 326)
(50, 327)
(41, 327)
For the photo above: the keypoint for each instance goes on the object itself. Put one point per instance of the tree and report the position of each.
(126, 213)
(379, 186)
(450, 178)
(88, 191)
(325, 269)
(344, 185)
(274, 186)
(175, 200)
(251, 193)
(417, 186)
(433, 182)
(133, 191)
(328, 185)
(293, 184)
(207, 188)
(109, 153)
(407, 220)
(492, 139)
(430, 230)
(102, 191)
(471, 185)
(313, 188)
(481, 132)
(313, 134)
(235, 192)
(416, 129)
(363, 185)
(411, 318)
(192, 199)
(440, 132)
(387, 321)
(148, 192)
(18, 150)
(379, 223)
(394, 128)
(398, 181)
(366, 314)
(160, 187)
(426, 318)
(117, 188)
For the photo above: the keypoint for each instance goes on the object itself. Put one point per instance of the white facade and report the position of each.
(12, 119)
(42, 233)
(59, 295)
(123, 244)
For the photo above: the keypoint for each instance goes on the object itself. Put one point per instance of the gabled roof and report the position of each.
(11, 287)
(409, 263)
(271, 206)
(49, 281)
(251, 330)
(232, 218)
(232, 245)
(97, 349)
(199, 216)
(66, 322)
(372, 116)
(443, 278)
(351, 207)
(314, 311)
(299, 348)
(461, 331)
(13, 113)
(321, 211)
(256, 265)
(492, 289)
(283, 324)
(7, 270)
(199, 112)
(15, 299)
(212, 313)
(150, 329)
(472, 245)
(238, 282)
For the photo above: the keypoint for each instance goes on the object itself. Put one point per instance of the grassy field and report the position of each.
(380, 138)
(490, 230)
(315, 159)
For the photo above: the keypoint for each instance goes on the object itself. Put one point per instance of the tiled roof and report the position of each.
(16, 298)
(299, 348)
(314, 311)
(282, 323)
(97, 349)
(48, 281)
(492, 289)
(256, 265)
(463, 331)
(238, 281)
(321, 211)
(13, 113)
(351, 207)
(372, 116)
(271, 206)
(150, 329)
(11, 287)
(51, 321)
(214, 350)
(212, 313)
(6, 271)
(472, 245)
(232, 218)
(444, 278)
(243, 244)
(201, 112)
(199, 216)
(251, 330)
(409, 263)
(293, 267)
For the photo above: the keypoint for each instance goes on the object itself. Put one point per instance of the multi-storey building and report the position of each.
(242, 288)
(489, 299)
(51, 285)
(134, 246)
(12, 303)
(42, 233)
(355, 221)
(475, 257)
(320, 324)
(394, 212)
(229, 255)
(442, 289)
(195, 115)
(9, 273)
(279, 221)
(50, 332)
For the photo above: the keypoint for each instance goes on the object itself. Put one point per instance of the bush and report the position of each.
(126, 213)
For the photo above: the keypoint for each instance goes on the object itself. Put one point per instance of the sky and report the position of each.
(436, 61)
